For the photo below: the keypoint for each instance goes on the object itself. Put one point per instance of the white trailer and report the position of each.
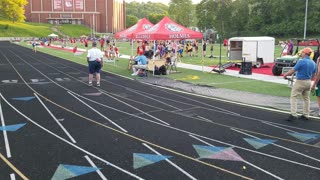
(258, 50)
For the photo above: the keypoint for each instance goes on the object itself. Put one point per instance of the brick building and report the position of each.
(104, 16)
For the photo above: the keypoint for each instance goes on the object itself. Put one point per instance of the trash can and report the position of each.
(246, 68)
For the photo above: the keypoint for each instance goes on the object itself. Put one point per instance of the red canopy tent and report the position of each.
(142, 24)
(167, 29)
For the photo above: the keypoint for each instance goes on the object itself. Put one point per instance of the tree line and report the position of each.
(12, 10)
(278, 18)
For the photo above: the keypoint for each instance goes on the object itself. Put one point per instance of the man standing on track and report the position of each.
(95, 63)
(306, 69)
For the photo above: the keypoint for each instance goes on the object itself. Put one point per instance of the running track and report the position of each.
(53, 126)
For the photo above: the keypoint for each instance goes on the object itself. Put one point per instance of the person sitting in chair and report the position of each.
(141, 64)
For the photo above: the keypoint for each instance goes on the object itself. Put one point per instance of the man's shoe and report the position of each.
(292, 118)
(98, 84)
(90, 84)
(304, 118)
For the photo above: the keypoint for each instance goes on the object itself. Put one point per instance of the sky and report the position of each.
(162, 1)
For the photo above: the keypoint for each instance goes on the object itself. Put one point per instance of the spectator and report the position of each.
(101, 44)
(116, 50)
(204, 48)
(34, 46)
(141, 63)
(86, 43)
(290, 47)
(284, 46)
(95, 63)
(306, 69)
(167, 57)
(225, 42)
(112, 52)
(316, 85)
(140, 50)
(189, 49)
(74, 50)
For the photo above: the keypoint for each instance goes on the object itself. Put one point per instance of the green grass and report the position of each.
(74, 30)
(27, 29)
(186, 75)
(9, 29)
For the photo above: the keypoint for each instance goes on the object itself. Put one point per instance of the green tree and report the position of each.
(155, 18)
(239, 18)
(141, 10)
(206, 14)
(181, 11)
(13, 9)
(131, 20)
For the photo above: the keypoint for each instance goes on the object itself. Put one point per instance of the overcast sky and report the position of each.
(162, 1)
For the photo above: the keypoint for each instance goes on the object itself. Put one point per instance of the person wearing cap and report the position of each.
(305, 70)
(95, 63)
(316, 85)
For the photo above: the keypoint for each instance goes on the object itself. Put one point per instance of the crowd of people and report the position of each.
(168, 50)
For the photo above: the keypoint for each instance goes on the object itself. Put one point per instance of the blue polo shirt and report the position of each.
(305, 68)
(142, 60)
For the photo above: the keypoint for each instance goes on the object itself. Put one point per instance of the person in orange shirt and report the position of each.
(116, 50)
(101, 44)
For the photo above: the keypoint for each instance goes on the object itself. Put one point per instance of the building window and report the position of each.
(66, 16)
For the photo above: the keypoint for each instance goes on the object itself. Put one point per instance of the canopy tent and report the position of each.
(142, 24)
(167, 29)
(52, 35)
(83, 36)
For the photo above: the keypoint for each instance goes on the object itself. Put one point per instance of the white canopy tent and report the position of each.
(52, 35)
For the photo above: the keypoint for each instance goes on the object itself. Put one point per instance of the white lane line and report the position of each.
(216, 109)
(5, 136)
(137, 109)
(129, 114)
(54, 118)
(184, 131)
(170, 162)
(141, 94)
(257, 152)
(12, 176)
(208, 120)
(203, 103)
(93, 165)
(296, 152)
(257, 167)
(270, 124)
(292, 127)
(122, 129)
(71, 144)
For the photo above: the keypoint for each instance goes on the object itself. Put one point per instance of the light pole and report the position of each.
(205, 24)
(305, 21)
(220, 36)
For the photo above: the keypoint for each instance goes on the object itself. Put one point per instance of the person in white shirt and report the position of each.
(95, 63)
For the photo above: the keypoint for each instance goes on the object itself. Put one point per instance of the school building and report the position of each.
(103, 16)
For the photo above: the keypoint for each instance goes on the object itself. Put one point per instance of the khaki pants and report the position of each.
(303, 88)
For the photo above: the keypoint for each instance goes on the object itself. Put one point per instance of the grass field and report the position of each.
(186, 75)
(9, 29)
